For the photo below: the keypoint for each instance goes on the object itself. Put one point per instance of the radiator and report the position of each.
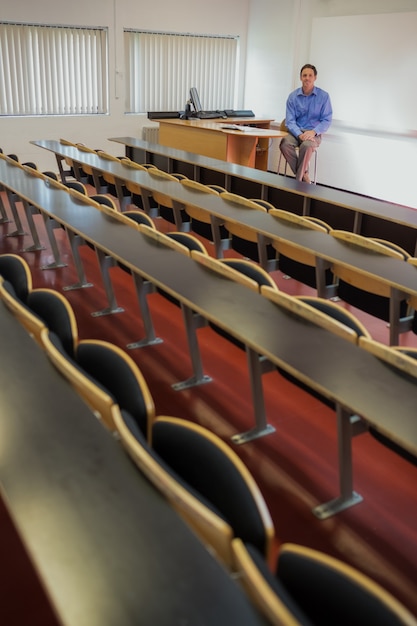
(150, 133)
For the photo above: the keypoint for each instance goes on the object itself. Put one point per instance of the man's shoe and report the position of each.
(306, 178)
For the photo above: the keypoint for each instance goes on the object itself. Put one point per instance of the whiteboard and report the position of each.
(368, 64)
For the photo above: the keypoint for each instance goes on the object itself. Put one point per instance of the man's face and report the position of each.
(307, 78)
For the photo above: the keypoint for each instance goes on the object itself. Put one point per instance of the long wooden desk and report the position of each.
(107, 547)
(398, 275)
(368, 216)
(248, 146)
(339, 370)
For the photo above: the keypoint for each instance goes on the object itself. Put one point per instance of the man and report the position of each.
(308, 115)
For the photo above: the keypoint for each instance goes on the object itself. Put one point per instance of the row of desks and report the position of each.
(339, 370)
(400, 277)
(341, 209)
(106, 546)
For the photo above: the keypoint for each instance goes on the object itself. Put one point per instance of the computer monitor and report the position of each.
(195, 100)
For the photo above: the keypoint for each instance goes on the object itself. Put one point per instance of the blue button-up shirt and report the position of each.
(312, 112)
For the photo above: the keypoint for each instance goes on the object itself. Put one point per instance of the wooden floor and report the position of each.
(296, 467)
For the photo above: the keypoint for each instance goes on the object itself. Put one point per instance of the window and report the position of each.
(52, 70)
(161, 68)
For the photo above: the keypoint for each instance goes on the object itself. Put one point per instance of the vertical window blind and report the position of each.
(52, 70)
(161, 68)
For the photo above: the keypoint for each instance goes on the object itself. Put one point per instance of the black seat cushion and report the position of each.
(251, 270)
(279, 589)
(116, 376)
(140, 437)
(249, 249)
(13, 270)
(53, 311)
(305, 274)
(329, 597)
(57, 343)
(206, 468)
(375, 305)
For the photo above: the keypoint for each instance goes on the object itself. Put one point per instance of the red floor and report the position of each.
(296, 467)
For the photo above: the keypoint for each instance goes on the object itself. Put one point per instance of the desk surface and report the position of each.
(339, 370)
(359, 204)
(108, 548)
(393, 272)
(249, 126)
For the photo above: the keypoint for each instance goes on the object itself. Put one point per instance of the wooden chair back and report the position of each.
(354, 277)
(199, 497)
(311, 587)
(159, 197)
(29, 320)
(301, 309)
(287, 248)
(194, 212)
(101, 403)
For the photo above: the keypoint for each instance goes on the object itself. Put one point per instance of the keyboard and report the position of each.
(239, 113)
(210, 115)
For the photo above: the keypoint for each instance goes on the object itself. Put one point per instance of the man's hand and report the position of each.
(306, 135)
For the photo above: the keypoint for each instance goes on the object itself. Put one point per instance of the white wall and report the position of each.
(369, 161)
(269, 69)
(275, 43)
(368, 63)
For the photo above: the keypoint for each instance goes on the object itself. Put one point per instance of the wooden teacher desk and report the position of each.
(248, 146)
(108, 549)
(341, 209)
(337, 369)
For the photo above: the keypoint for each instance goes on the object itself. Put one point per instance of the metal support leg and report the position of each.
(100, 188)
(146, 201)
(31, 223)
(323, 290)
(64, 174)
(315, 167)
(75, 242)
(78, 173)
(348, 425)
(50, 225)
(396, 324)
(12, 198)
(219, 243)
(177, 207)
(262, 428)
(269, 265)
(143, 288)
(124, 201)
(106, 262)
(3, 219)
(193, 321)
(357, 223)
(306, 205)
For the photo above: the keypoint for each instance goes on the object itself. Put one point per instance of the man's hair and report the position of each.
(310, 67)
